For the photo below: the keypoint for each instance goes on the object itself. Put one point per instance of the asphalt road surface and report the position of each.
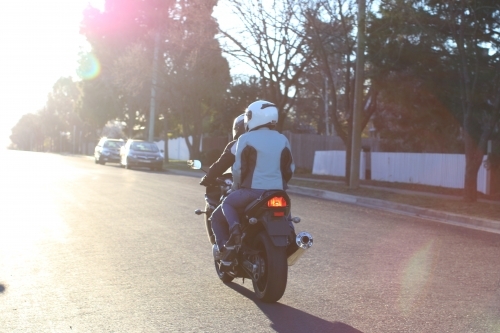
(92, 248)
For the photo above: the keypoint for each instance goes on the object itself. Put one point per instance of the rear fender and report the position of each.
(278, 231)
(277, 228)
(274, 220)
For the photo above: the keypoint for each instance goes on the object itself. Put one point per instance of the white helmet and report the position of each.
(260, 114)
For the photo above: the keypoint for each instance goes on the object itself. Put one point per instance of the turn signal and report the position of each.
(276, 202)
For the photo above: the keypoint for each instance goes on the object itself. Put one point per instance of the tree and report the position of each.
(59, 114)
(329, 27)
(100, 102)
(198, 75)
(411, 74)
(242, 92)
(122, 41)
(312, 107)
(473, 26)
(192, 74)
(271, 43)
(27, 133)
(412, 119)
(451, 47)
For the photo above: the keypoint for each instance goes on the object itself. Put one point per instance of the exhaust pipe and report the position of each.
(304, 241)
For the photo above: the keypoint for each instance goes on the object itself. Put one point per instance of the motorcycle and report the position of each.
(268, 243)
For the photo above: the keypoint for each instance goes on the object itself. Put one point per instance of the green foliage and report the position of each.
(197, 74)
(59, 115)
(450, 48)
(98, 103)
(241, 93)
(192, 75)
(414, 50)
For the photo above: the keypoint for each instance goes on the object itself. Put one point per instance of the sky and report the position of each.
(39, 43)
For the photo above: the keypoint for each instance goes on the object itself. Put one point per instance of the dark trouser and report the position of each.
(220, 227)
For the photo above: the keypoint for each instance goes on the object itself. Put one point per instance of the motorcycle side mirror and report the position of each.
(194, 164)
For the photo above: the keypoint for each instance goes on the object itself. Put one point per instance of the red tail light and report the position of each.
(276, 202)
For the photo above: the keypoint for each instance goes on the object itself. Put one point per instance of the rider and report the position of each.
(263, 162)
(225, 161)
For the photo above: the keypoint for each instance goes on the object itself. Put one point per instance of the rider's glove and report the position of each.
(205, 181)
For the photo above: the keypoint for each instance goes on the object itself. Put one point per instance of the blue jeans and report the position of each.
(235, 203)
(220, 227)
(227, 214)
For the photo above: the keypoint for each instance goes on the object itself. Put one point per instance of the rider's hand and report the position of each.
(205, 181)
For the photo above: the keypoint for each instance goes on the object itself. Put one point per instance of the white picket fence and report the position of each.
(445, 170)
(332, 163)
(177, 148)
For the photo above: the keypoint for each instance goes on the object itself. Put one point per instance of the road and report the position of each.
(92, 248)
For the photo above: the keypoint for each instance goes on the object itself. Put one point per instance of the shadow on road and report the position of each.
(2, 288)
(287, 319)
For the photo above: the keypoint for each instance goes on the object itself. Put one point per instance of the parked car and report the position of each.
(108, 150)
(139, 153)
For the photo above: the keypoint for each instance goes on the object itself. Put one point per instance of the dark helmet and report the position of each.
(238, 126)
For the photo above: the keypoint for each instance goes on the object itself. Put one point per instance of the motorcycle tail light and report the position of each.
(276, 202)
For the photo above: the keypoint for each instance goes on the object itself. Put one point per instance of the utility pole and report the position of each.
(153, 89)
(327, 119)
(358, 98)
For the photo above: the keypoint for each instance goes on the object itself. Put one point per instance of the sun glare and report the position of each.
(40, 43)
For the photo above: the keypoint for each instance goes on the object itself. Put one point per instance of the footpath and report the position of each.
(308, 189)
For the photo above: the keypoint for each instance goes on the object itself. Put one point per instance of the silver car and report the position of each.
(140, 153)
(108, 150)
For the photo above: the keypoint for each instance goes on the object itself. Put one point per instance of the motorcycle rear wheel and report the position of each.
(273, 269)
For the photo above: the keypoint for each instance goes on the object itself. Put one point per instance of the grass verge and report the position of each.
(488, 210)
(419, 197)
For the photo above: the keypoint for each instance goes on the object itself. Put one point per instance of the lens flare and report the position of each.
(416, 277)
(90, 68)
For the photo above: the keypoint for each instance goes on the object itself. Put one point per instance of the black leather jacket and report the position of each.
(225, 161)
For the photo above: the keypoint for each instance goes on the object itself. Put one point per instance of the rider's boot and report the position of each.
(218, 255)
(235, 238)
